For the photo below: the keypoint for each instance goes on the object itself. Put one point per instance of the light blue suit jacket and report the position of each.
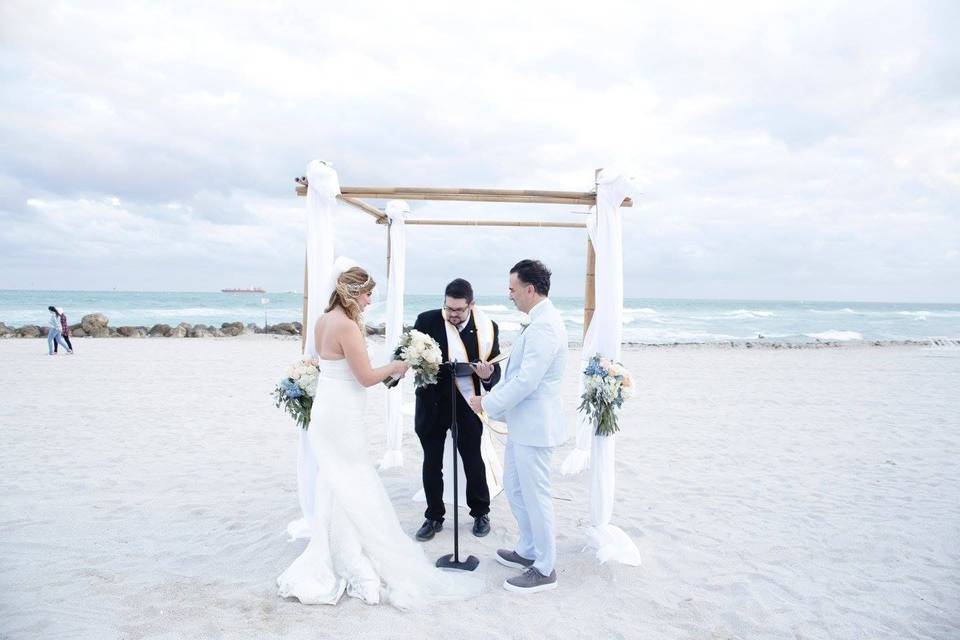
(528, 397)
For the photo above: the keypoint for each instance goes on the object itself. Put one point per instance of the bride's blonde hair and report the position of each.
(351, 284)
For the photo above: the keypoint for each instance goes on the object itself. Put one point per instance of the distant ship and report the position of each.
(246, 290)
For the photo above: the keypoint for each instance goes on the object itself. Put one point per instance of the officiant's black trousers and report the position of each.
(468, 443)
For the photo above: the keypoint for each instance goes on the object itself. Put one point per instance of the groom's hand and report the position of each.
(474, 402)
(483, 369)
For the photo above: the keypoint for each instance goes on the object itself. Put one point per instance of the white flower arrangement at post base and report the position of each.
(296, 390)
(422, 353)
(607, 385)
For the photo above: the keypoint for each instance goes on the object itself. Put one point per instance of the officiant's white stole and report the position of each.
(457, 350)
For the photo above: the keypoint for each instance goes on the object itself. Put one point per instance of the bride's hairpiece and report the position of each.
(354, 289)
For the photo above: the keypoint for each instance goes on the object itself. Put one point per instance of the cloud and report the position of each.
(785, 151)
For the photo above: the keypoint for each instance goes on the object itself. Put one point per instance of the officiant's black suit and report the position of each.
(432, 420)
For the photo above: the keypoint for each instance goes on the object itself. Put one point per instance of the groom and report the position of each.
(464, 335)
(529, 400)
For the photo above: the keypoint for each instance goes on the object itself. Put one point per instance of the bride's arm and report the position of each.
(355, 351)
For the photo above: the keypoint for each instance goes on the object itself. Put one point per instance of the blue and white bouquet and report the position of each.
(606, 387)
(296, 390)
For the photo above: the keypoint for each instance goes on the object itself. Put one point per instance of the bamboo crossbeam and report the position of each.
(472, 195)
(499, 223)
(366, 208)
(528, 196)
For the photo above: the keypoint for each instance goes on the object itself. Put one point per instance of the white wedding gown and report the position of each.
(357, 545)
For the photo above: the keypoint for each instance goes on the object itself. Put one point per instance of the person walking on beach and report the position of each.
(55, 333)
(64, 331)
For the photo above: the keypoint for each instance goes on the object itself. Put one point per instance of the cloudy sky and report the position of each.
(785, 151)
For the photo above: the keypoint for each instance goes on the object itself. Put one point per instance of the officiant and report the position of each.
(464, 334)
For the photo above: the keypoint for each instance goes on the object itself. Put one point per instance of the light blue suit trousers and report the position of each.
(526, 479)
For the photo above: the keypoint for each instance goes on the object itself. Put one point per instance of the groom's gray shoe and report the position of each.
(512, 559)
(531, 581)
(428, 529)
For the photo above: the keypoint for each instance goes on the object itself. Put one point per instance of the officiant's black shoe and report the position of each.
(481, 525)
(429, 529)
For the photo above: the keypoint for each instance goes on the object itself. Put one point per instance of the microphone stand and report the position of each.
(452, 560)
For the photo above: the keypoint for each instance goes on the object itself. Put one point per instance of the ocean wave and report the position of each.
(494, 308)
(923, 314)
(919, 314)
(667, 335)
(748, 314)
(835, 335)
(739, 314)
(845, 310)
(198, 312)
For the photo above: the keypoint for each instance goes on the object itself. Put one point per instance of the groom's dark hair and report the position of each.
(459, 289)
(533, 272)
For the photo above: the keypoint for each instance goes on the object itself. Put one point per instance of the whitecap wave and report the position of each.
(749, 314)
(923, 314)
(739, 314)
(661, 336)
(845, 310)
(195, 312)
(835, 335)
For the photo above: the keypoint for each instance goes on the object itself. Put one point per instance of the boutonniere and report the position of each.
(523, 325)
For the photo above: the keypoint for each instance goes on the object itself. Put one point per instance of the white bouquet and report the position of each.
(422, 353)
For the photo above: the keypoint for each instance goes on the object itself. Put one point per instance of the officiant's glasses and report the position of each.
(457, 310)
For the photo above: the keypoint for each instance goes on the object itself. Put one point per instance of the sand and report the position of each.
(810, 493)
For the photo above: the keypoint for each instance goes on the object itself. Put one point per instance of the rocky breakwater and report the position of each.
(97, 325)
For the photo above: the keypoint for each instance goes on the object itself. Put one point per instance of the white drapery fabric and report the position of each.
(397, 211)
(604, 337)
(323, 187)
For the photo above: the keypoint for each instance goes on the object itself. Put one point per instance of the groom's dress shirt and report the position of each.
(529, 398)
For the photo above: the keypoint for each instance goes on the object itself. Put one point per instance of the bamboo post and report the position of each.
(590, 288)
(306, 298)
(589, 293)
(389, 246)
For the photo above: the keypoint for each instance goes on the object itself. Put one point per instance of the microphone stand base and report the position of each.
(447, 562)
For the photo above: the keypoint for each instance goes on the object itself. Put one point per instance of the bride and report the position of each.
(356, 544)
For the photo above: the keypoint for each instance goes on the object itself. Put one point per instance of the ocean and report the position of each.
(646, 321)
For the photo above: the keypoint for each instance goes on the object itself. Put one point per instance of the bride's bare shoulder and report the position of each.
(337, 321)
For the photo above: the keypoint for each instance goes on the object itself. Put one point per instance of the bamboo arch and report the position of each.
(353, 196)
